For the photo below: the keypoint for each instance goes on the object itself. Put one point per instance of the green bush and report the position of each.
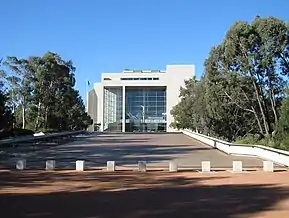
(257, 140)
(22, 132)
(15, 133)
(282, 142)
(6, 134)
(277, 142)
(248, 139)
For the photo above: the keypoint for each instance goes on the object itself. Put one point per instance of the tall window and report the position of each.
(145, 109)
(112, 108)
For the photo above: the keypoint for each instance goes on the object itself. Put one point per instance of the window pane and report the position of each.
(145, 108)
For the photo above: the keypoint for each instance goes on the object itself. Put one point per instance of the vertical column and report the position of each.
(99, 112)
(102, 110)
(123, 108)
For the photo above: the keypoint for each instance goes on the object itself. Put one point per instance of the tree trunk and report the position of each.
(257, 92)
(265, 108)
(273, 105)
(46, 118)
(255, 113)
(23, 116)
(258, 121)
(272, 98)
(285, 62)
(38, 116)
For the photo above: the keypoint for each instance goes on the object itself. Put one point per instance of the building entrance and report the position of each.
(145, 109)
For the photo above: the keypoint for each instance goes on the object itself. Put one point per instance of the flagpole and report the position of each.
(86, 85)
(86, 93)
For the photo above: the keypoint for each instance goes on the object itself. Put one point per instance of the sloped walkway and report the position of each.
(128, 149)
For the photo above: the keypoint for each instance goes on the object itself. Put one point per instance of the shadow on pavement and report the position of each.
(96, 156)
(126, 149)
(111, 195)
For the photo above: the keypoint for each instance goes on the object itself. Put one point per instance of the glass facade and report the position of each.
(112, 109)
(145, 109)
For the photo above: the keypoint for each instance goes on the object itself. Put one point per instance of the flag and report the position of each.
(88, 83)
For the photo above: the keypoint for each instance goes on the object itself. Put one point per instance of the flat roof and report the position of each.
(143, 71)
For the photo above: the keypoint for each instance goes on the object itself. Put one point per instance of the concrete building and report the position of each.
(137, 100)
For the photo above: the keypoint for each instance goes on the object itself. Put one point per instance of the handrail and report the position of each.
(35, 138)
(243, 145)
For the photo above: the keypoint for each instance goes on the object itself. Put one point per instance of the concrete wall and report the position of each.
(172, 78)
(98, 87)
(263, 152)
(92, 104)
(92, 107)
(175, 78)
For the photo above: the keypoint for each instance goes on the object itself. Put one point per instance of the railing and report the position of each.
(38, 138)
(263, 152)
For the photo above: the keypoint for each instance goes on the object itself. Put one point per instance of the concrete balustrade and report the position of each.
(79, 165)
(110, 166)
(21, 164)
(142, 166)
(173, 166)
(50, 165)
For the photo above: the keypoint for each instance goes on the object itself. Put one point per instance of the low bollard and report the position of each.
(142, 166)
(21, 164)
(50, 165)
(237, 166)
(110, 166)
(173, 167)
(268, 166)
(206, 166)
(79, 165)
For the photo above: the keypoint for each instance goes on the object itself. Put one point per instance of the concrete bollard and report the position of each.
(110, 166)
(50, 165)
(21, 164)
(79, 165)
(268, 166)
(237, 166)
(173, 167)
(142, 166)
(206, 166)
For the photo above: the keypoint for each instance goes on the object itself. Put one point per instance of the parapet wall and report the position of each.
(276, 155)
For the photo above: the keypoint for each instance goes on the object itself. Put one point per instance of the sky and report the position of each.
(113, 35)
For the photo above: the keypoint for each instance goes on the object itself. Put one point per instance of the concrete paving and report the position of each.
(128, 149)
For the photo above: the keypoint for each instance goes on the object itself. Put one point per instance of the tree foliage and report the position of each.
(243, 85)
(283, 124)
(5, 113)
(40, 92)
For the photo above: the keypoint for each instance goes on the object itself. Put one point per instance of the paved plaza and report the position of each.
(126, 150)
(65, 192)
